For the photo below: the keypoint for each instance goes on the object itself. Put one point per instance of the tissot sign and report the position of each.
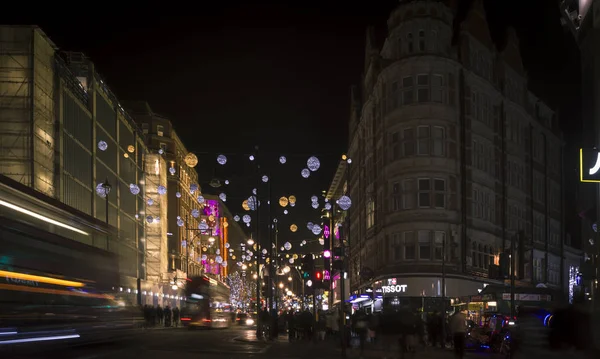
(589, 165)
(398, 288)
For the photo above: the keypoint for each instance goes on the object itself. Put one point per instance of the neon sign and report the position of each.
(399, 288)
(326, 231)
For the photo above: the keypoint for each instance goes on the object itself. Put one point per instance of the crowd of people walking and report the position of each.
(158, 316)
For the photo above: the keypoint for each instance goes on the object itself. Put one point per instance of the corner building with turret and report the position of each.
(454, 160)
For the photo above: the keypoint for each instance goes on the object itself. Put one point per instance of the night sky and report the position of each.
(235, 74)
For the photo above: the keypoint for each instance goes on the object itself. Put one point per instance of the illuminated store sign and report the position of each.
(398, 288)
(589, 165)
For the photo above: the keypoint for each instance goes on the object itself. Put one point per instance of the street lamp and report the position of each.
(107, 187)
(250, 242)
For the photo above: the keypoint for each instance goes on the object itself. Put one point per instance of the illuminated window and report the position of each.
(370, 213)
(160, 130)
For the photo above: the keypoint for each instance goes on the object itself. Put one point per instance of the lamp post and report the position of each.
(107, 187)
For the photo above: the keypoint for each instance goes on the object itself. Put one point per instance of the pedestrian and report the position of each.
(458, 327)
(176, 317)
(159, 314)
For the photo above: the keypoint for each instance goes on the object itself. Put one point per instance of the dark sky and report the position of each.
(234, 74)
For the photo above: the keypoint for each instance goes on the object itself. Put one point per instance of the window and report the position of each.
(423, 142)
(407, 91)
(370, 213)
(438, 141)
(439, 191)
(437, 88)
(409, 245)
(451, 90)
(423, 88)
(409, 194)
(396, 197)
(394, 95)
(160, 130)
(145, 128)
(408, 142)
(433, 42)
(397, 246)
(163, 146)
(439, 239)
(421, 40)
(424, 193)
(395, 146)
(424, 245)
(409, 37)
(399, 46)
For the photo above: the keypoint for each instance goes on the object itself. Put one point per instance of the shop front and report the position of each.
(420, 293)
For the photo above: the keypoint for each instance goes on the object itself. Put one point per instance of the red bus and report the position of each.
(206, 304)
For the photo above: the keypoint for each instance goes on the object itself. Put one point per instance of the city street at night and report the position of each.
(223, 344)
(228, 343)
(372, 179)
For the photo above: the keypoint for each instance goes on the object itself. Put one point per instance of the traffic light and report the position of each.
(318, 282)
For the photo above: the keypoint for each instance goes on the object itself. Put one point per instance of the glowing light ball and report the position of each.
(221, 159)
(194, 187)
(344, 202)
(282, 160)
(223, 197)
(201, 199)
(310, 226)
(172, 170)
(245, 205)
(134, 189)
(251, 202)
(161, 190)
(190, 159)
(287, 246)
(236, 218)
(283, 201)
(178, 194)
(131, 148)
(219, 259)
(102, 145)
(149, 201)
(316, 229)
(293, 228)
(246, 218)
(149, 219)
(305, 173)
(265, 179)
(314, 199)
(195, 213)
(315, 205)
(292, 199)
(313, 163)
(328, 206)
(203, 226)
(180, 222)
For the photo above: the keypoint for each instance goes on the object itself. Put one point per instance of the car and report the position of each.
(245, 319)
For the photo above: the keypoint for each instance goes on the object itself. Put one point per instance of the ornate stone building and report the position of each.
(451, 154)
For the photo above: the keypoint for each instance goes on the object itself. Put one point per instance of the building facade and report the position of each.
(453, 159)
(198, 226)
(582, 18)
(63, 134)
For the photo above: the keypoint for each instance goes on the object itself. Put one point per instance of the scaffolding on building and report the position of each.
(27, 118)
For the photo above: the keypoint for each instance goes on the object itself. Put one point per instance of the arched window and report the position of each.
(409, 37)
(421, 40)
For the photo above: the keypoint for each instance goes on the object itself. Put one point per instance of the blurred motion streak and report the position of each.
(40, 217)
(36, 278)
